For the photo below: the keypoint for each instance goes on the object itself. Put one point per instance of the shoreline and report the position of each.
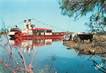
(97, 46)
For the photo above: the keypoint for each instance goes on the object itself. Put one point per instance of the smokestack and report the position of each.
(25, 21)
(29, 20)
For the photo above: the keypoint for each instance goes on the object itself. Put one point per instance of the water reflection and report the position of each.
(99, 65)
(46, 56)
(98, 61)
(28, 45)
(16, 60)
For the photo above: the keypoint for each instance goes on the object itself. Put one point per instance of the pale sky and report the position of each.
(13, 12)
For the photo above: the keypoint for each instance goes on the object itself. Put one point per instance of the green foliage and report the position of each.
(3, 30)
(71, 7)
(1, 68)
(79, 8)
(97, 23)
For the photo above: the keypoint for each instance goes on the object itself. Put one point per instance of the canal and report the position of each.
(46, 56)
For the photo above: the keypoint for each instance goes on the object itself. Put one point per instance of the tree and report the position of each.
(95, 8)
(4, 30)
(97, 24)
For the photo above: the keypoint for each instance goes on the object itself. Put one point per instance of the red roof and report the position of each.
(40, 29)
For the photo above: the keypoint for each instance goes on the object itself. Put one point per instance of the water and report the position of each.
(46, 56)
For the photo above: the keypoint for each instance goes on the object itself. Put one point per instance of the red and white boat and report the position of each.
(31, 32)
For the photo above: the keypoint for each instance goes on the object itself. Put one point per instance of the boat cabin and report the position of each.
(41, 31)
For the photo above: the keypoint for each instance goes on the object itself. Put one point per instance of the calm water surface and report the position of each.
(47, 56)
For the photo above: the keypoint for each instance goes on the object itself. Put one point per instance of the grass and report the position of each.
(97, 46)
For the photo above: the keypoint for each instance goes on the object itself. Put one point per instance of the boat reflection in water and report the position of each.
(28, 45)
(46, 56)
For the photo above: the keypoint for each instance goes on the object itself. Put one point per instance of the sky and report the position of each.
(44, 13)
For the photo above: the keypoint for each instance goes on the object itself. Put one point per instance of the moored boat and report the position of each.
(30, 32)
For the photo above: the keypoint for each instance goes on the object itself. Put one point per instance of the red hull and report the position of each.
(31, 37)
(41, 37)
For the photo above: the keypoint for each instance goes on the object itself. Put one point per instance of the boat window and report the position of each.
(49, 31)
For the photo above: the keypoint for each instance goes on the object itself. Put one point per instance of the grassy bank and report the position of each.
(98, 46)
